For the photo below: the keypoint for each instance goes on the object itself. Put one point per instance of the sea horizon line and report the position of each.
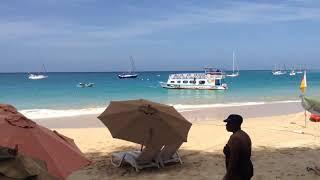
(143, 71)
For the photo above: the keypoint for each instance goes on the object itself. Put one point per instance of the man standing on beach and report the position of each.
(237, 151)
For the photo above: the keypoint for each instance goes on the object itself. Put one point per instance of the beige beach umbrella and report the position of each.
(143, 122)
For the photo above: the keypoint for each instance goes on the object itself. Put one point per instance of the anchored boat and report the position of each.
(131, 73)
(211, 79)
(82, 84)
(37, 76)
(234, 74)
(278, 72)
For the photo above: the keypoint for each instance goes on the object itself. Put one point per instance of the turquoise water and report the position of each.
(60, 91)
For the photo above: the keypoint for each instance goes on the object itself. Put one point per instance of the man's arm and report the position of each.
(234, 158)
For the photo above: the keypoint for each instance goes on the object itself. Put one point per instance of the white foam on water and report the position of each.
(52, 113)
(183, 108)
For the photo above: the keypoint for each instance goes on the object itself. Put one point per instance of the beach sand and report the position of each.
(282, 149)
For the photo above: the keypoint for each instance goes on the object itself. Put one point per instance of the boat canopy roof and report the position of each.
(188, 76)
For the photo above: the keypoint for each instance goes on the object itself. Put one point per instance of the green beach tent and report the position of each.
(311, 104)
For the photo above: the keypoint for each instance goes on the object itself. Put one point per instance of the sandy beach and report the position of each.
(170, 72)
(282, 148)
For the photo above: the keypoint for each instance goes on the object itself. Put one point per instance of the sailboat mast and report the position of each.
(233, 62)
(132, 65)
(44, 68)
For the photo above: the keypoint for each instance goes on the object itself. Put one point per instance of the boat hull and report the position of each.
(37, 77)
(278, 73)
(232, 75)
(174, 86)
(127, 76)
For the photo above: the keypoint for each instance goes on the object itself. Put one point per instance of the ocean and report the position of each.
(58, 95)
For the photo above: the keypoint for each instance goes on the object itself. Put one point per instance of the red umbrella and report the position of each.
(59, 152)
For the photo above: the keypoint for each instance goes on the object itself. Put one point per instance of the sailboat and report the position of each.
(131, 73)
(38, 76)
(292, 73)
(278, 72)
(234, 74)
(300, 71)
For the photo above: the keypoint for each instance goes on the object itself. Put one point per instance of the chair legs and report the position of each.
(119, 163)
(175, 158)
(130, 158)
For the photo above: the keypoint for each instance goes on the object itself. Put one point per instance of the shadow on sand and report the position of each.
(269, 163)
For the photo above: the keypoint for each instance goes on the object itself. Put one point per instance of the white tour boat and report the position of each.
(211, 79)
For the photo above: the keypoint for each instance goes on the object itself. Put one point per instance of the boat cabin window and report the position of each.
(192, 82)
(185, 82)
(172, 82)
(178, 81)
(218, 82)
(202, 82)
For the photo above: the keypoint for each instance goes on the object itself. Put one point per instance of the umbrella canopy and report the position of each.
(311, 104)
(60, 153)
(142, 121)
(17, 166)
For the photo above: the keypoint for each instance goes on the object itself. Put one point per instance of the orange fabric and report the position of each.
(59, 152)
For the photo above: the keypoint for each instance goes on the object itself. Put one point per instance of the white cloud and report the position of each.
(231, 12)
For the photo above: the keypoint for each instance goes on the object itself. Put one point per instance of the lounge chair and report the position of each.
(170, 154)
(138, 159)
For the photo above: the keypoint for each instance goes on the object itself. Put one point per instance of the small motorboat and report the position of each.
(89, 84)
(82, 85)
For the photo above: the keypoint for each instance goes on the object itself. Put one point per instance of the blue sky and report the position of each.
(100, 35)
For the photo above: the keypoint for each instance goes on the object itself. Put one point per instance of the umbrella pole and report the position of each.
(305, 118)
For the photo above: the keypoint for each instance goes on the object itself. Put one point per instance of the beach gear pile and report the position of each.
(59, 152)
(14, 165)
(157, 127)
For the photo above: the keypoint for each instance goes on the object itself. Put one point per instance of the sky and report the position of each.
(100, 35)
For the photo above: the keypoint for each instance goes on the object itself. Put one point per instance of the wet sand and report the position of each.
(201, 114)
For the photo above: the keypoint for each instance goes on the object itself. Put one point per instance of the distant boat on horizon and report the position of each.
(38, 76)
(300, 71)
(234, 74)
(83, 84)
(131, 73)
(292, 73)
(277, 72)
